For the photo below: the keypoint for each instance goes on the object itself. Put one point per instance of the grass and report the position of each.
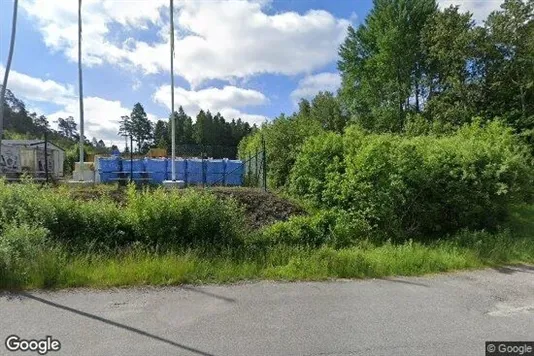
(57, 269)
(31, 256)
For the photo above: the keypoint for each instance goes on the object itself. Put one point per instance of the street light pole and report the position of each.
(80, 81)
(173, 119)
(6, 75)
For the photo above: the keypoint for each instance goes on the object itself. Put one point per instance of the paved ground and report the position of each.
(439, 315)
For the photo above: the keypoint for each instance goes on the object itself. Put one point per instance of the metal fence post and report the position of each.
(264, 165)
(249, 172)
(256, 175)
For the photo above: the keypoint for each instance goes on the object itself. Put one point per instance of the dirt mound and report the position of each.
(261, 208)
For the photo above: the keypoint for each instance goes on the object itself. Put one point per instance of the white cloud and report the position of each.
(479, 8)
(226, 101)
(101, 115)
(216, 39)
(313, 84)
(36, 89)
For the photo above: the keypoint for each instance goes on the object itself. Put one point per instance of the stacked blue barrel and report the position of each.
(157, 169)
(109, 168)
(136, 167)
(195, 171)
(234, 173)
(180, 169)
(215, 171)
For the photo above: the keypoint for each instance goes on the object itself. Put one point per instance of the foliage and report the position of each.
(158, 217)
(418, 186)
(328, 227)
(319, 164)
(19, 245)
(409, 57)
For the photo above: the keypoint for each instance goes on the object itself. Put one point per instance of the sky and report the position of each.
(252, 59)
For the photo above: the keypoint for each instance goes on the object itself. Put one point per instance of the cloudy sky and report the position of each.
(244, 58)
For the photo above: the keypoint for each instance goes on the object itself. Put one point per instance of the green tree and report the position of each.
(141, 127)
(451, 46)
(199, 133)
(510, 65)
(67, 127)
(382, 66)
(161, 134)
(326, 110)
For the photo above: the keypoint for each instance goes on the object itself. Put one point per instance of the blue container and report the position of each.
(215, 171)
(235, 170)
(106, 177)
(154, 165)
(195, 171)
(157, 177)
(138, 165)
(180, 168)
(109, 164)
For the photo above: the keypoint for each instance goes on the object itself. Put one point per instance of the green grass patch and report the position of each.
(54, 268)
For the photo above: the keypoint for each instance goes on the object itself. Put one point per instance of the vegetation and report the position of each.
(410, 58)
(423, 162)
(50, 241)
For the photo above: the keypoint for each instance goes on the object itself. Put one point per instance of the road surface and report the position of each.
(451, 314)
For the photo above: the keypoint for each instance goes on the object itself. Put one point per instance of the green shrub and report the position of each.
(318, 165)
(184, 218)
(153, 217)
(421, 186)
(329, 227)
(19, 247)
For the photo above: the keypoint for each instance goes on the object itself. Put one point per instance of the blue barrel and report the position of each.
(180, 167)
(107, 177)
(215, 171)
(109, 164)
(138, 165)
(157, 177)
(195, 174)
(156, 165)
(234, 172)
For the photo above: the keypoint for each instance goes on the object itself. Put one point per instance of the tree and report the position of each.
(161, 134)
(326, 110)
(382, 66)
(67, 127)
(450, 44)
(200, 128)
(510, 64)
(140, 126)
(125, 126)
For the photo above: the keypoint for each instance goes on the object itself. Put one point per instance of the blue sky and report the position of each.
(245, 58)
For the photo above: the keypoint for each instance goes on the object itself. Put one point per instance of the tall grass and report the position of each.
(55, 268)
(168, 238)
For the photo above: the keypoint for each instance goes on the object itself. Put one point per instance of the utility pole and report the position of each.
(6, 75)
(80, 82)
(173, 119)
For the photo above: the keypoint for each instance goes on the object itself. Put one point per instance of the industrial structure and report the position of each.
(36, 158)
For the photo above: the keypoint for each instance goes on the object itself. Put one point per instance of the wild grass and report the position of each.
(36, 245)
(54, 268)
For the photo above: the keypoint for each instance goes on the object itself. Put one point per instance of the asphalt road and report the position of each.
(451, 314)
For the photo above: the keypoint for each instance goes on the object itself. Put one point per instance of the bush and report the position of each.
(418, 186)
(19, 247)
(283, 138)
(154, 217)
(184, 218)
(329, 227)
(318, 165)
